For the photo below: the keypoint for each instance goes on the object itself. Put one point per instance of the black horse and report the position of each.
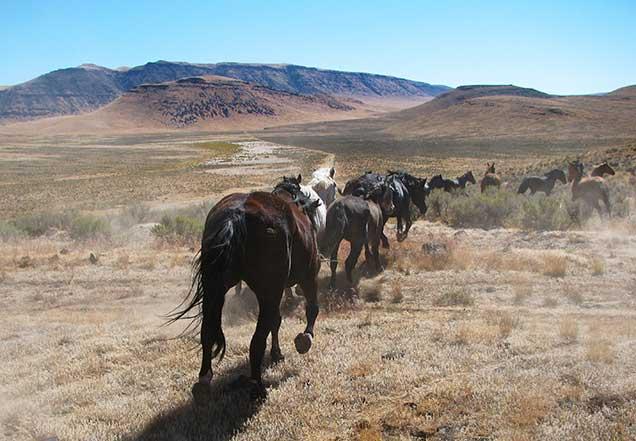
(406, 189)
(450, 185)
(544, 184)
(267, 240)
(358, 220)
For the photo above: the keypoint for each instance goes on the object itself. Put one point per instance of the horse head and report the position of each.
(470, 177)
(490, 168)
(575, 171)
(603, 169)
(557, 175)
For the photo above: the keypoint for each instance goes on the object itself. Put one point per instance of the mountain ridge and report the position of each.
(88, 87)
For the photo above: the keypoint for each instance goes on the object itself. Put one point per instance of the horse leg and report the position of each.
(303, 341)
(268, 316)
(333, 265)
(385, 240)
(606, 201)
(350, 263)
(276, 353)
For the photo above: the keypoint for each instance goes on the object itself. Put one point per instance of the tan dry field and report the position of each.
(468, 334)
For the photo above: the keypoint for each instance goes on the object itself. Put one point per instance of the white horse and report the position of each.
(320, 215)
(323, 183)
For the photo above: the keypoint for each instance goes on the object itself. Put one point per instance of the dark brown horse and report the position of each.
(450, 185)
(544, 184)
(490, 179)
(590, 189)
(267, 240)
(602, 170)
(358, 220)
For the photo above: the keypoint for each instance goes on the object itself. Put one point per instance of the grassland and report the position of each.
(506, 333)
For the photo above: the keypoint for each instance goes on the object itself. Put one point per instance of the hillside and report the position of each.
(495, 111)
(478, 121)
(89, 87)
(199, 103)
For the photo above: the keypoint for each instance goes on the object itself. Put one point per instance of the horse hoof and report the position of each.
(202, 393)
(303, 343)
(277, 357)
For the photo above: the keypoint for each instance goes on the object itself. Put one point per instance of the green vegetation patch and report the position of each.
(221, 148)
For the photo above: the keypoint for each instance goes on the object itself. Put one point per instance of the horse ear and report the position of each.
(332, 172)
(299, 178)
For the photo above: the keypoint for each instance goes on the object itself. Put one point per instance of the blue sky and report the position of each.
(555, 46)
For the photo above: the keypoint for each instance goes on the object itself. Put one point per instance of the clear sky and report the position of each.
(556, 46)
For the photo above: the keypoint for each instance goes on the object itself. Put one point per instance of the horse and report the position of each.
(318, 217)
(359, 220)
(590, 189)
(268, 240)
(602, 169)
(490, 179)
(450, 185)
(364, 185)
(406, 189)
(544, 183)
(323, 183)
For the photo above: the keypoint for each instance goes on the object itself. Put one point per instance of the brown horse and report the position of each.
(490, 179)
(358, 220)
(602, 170)
(267, 240)
(590, 189)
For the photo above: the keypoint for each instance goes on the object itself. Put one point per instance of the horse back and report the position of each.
(281, 237)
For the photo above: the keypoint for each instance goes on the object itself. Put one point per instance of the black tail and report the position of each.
(221, 249)
(335, 227)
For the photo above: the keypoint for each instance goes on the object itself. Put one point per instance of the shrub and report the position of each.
(545, 213)
(86, 227)
(480, 210)
(39, 223)
(8, 231)
(178, 229)
(134, 214)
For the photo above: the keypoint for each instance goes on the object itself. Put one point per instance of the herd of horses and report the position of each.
(275, 240)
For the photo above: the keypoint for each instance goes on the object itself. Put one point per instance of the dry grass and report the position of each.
(457, 297)
(599, 350)
(555, 265)
(568, 330)
(597, 266)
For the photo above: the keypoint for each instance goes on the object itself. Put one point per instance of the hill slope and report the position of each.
(494, 111)
(199, 103)
(89, 87)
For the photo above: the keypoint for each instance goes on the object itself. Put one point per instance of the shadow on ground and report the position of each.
(225, 416)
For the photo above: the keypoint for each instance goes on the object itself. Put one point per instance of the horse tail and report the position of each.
(221, 250)
(335, 226)
(524, 186)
